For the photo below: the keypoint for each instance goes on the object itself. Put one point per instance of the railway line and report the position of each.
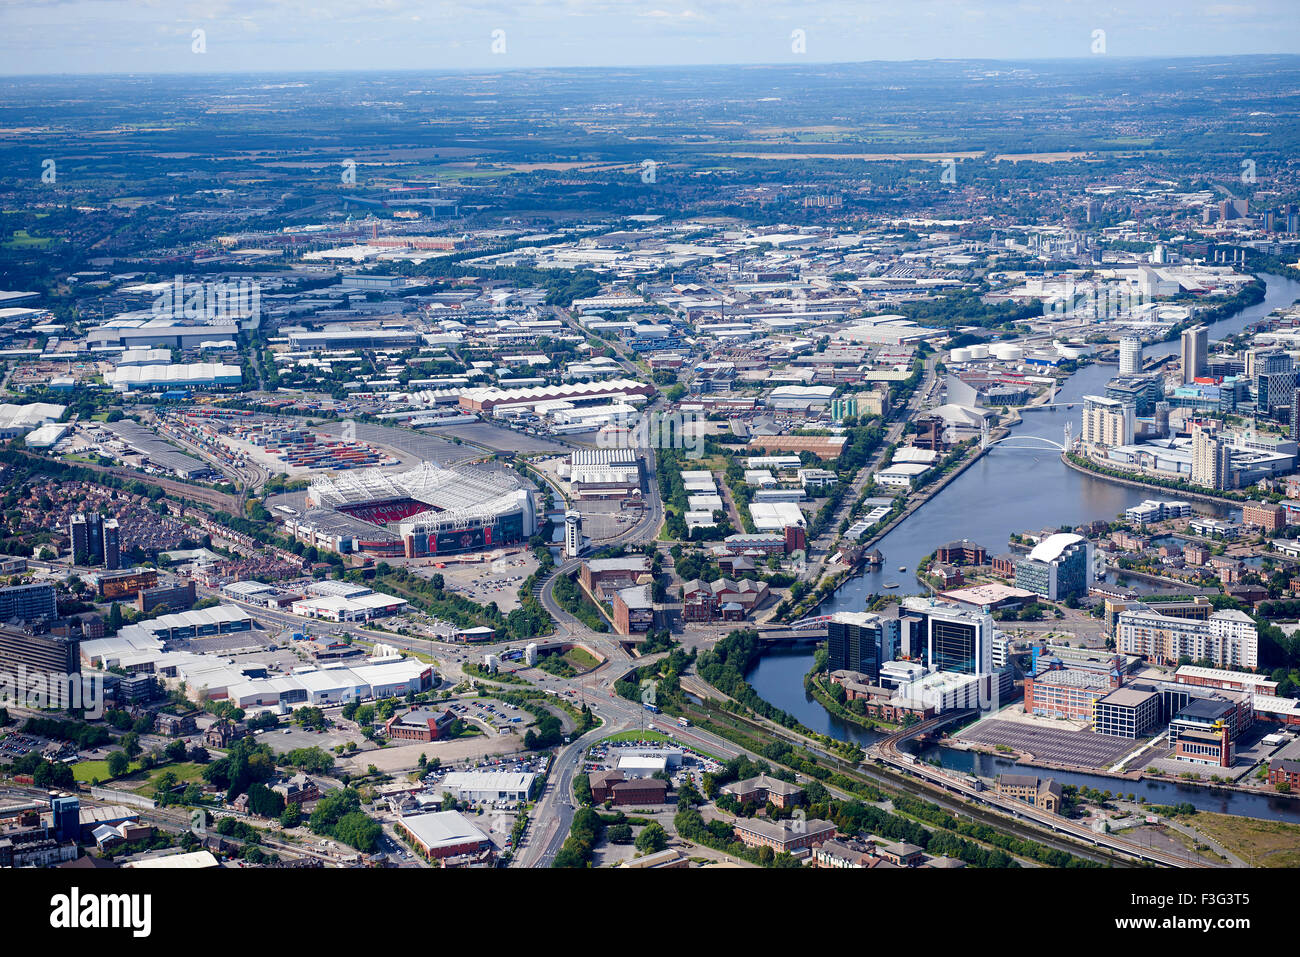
(887, 750)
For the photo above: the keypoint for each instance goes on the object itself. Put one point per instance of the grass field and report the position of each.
(580, 659)
(655, 736)
(1257, 842)
(186, 772)
(87, 771)
(21, 239)
(141, 782)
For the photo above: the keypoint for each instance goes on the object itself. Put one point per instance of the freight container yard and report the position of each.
(238, 436)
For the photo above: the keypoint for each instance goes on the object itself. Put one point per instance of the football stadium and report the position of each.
(427, 510)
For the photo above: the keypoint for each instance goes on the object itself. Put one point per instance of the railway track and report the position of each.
(905, 765)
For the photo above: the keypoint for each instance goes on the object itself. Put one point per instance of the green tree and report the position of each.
(619, 834)
(652, 838)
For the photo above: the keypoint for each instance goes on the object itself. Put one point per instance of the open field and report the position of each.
(88, 771)
(1260, 843)
(186, 772)
(865, 157)
(655, 737)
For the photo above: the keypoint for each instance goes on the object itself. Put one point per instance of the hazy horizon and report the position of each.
(135, 37)
(488, 71)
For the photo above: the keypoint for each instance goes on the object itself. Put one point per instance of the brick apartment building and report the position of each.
(602, 577)
(964, 552)
(1264, 515)
(1285, 771)
(721, 600)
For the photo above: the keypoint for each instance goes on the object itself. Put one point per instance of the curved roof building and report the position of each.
(1051, 548)
(1058, 567)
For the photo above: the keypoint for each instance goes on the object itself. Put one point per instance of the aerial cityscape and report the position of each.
(792, 464)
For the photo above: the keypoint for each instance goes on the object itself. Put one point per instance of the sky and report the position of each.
(159, 36)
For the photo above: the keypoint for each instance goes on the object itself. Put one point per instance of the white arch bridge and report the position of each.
(1014, 441)
(1026, 442)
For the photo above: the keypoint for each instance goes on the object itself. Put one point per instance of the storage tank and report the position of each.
(960, 355)
(980, 351)
(1007, 352)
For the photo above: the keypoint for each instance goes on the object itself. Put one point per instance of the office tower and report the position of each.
(860, 641)
(572, 534)
(1234, 208)
(1295, 411)
(65, 813)
(27, 603)
(1141, 391)
(112, 545)
(960, 640)
(1292, 219)
(1274, 380)
(1130, 355)
(1107, 422)
(1058, 567)
(54, 659)
(1195, 344)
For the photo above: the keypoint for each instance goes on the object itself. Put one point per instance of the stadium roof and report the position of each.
(455, 496)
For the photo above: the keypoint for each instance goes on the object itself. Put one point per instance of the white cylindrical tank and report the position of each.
(980, 351)
(1007, 352)
(960, 355)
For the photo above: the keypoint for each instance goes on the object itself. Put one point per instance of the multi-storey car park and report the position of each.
(427, 510)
